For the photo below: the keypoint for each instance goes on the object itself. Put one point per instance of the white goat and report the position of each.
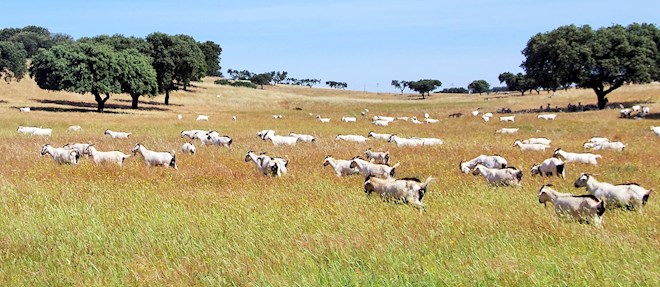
(656, 130)
(192, 133)
(24, 109)
(61, 155)
(549, 167)
(578, 157)
(348, 119)
(582, 208)
(530, 147)
(403, 142)
(381, 136)
(277, 117)
(74, 128)
(371, 169)
(383, 118)
(543, 141)
(42, 132)
(323, 120)
(164, 159)
(380, 157)
(262, 166)
(547, 117)
(117, 135)
(489, 161)
(507, 131)
(26, 130)
(220, 140)
(106, 156)
(629, 195)
(598, 140)
(431, 121)
(507, 176)
(430, 141)
(406, 190)
(415, 121)
(617, 146)
(179, 117)
(625, 113)
(80, 147)
(341, 167)
(352, 138)
(508, 119)
(188, 148)
(262, 134)
(380, 123)
(475, 113)
(202, 118)
(281, 140)
(303, 137)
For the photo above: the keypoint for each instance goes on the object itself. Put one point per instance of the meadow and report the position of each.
(217, 221)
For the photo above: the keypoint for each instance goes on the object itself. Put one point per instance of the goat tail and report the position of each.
(600, 209)
(396, 165)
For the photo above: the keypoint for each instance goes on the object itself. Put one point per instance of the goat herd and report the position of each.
(379, 174)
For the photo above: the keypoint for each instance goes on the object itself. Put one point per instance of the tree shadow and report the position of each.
(153, 103)
(72, 110)
(84, 106)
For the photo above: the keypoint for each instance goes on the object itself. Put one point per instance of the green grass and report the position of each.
(218, 222)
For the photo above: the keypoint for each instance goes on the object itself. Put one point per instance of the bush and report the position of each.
(226, 82)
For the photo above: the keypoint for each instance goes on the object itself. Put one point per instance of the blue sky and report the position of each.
(366, 43)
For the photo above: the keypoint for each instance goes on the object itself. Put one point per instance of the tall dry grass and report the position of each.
(218, 222)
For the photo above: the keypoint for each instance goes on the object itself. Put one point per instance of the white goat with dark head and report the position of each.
(629, 195)
(497, 177)
(582, 208)
(405, 190)
(155, 158)
(489, 161)
(61, 155)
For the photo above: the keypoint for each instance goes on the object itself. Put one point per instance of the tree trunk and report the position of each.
(185, 86)
(602, 99)
(134, 102)
(167, 97)
(100, 101)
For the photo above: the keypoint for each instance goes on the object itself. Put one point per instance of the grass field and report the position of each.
(216, 221)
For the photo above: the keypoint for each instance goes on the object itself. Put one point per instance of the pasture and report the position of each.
(217, 221)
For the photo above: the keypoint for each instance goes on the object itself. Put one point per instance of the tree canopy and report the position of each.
(336, 85)
(136, 76)
(602, 59)
(12, 61)
(424, 87)
(261, 79)
(479, 86)
(400, 85)
(211, 53)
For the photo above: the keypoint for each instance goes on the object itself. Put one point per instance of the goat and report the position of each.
(431, 121)
(192, 133)
(530, 147)
(598, 140)
(262, 134)
(578, 157)
(507, 176)
(656, 130)
(629, 195)
(74, 128)
(507, 131)
(78, 147)
(266, 164)
(188, 148)
(429, 141)
(348, 119)
(42, 132)
(550, 167)
(406, 190)
(403, 142)
(508, 119)
(323, 120)
(220, 140)
(24, 109)
(303, 137)
(383, 136)
(617, 146)
(380, 123)
(277, 117)
(489, 161)
(582, 208)
(106, 156)
(202, 118)
(61, 155)
(547, 117)
(164, 159)
(352, 138)
(415, 121)
(371, 169)
(281, 140)
(26, 130)
(117, 135)
(341, 167)
(543, 141)
(381, 157)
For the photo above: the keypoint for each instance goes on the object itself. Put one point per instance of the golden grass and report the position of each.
(218, 222)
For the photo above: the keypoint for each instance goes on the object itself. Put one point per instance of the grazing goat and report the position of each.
(415, 121)
(547, 117)
(379, 136)
(341, 167)
(617, 146)
(598, 140)
(497, 177)
(550, 167)
(530, 147)
(116, 135)
(656, 130)
(431, 121)
(508, 119)
(202, 118)
(220, 140)
(303, 137)
(380, 157)
(42, 132)
(371, 169)
(26, 130)
(406, 190)
(262, 166)
(543, 141)
(352, 138)
(277, 117)
(429, 141)
(192, 133)
(629, 195)
(106, 156)
(74, 128)
(507, 131)
(582, 208)
(24, 109)
(80, 147)
(262, 134)
(156, 158)
(403, 142)
(348, 119)
(578, 157)
(380, 123)
(323, 120)
(188, 148)
(281, 140)
(61, 155)
(489, 161)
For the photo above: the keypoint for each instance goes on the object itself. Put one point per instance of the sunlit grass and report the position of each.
(217, 221)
